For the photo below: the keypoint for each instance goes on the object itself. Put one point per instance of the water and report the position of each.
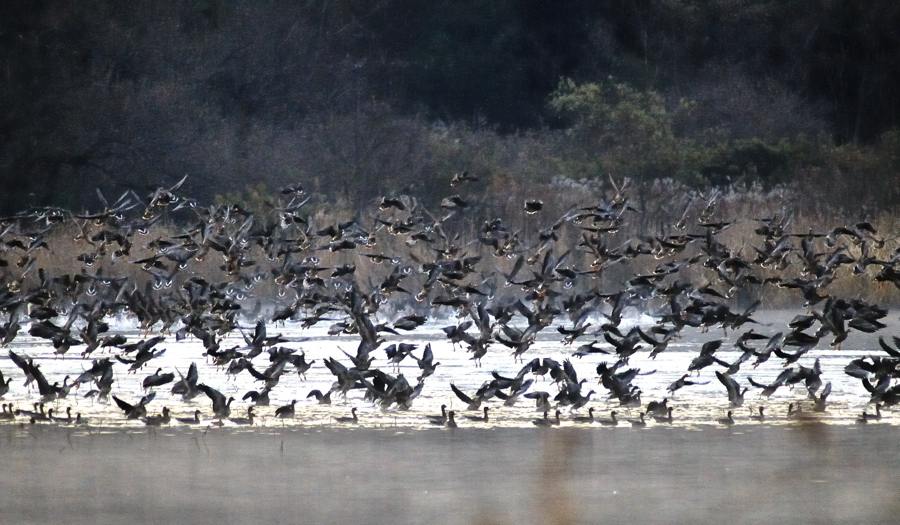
(695, 406)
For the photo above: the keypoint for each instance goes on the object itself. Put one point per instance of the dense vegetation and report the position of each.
(360, 99)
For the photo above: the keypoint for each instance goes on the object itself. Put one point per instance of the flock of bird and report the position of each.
(148, 260)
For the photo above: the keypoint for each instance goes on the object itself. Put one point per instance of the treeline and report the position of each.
(360, 99)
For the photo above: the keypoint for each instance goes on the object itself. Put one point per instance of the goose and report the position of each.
(190, 420)
(244, 420)
(286, 411)
(658, 408)
(351, 419)
(451, 422)
(735, 394)
(482, 419)
(585, 419)
(665, 419)
(611, 422)
(546, 421)
(794, 414)
(157, 379)
(441, 419)
(155, 421)
(136, 411)
(221, 406)
(323, 399)
(641, 423)
(760, 417)
(68, 419)
(729, 420)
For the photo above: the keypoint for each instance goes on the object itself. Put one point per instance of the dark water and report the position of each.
(808, 473)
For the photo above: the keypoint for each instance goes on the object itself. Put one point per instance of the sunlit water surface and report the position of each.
(697, 406)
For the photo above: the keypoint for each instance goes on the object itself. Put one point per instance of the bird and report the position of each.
(483, 419)
(546, 421)
(323, 399)
(190, 420)
(136, 411)
(611, 422)
(665, 419)
(286, 411)
(220, 405)
(728, 420)
(735, 394)
(157, 379)
(155, 421)
(351, 419)
(585, 419)
(638, 423)
(244, 420)
(451, 421)
(439, 420)
(758, 417)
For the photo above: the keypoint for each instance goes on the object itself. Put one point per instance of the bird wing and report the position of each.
(459, 393)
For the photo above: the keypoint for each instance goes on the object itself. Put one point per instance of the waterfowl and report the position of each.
(658, 408)
(157, 379)
(244, 420)
(220, 405)
(735, 394)
(635, 423)
(441, 419)
(665, 419)
(351, 419)
(155, 421)
(611, 422)
(546, 421)
(729, 420)
(760, 417)
(136, 411)
(323, 399)
(482, 419)
(190, 420)
(286, 411)
(451, 422)
(585, 419)
(794, 414)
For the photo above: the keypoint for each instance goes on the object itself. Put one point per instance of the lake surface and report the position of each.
(695, 406)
